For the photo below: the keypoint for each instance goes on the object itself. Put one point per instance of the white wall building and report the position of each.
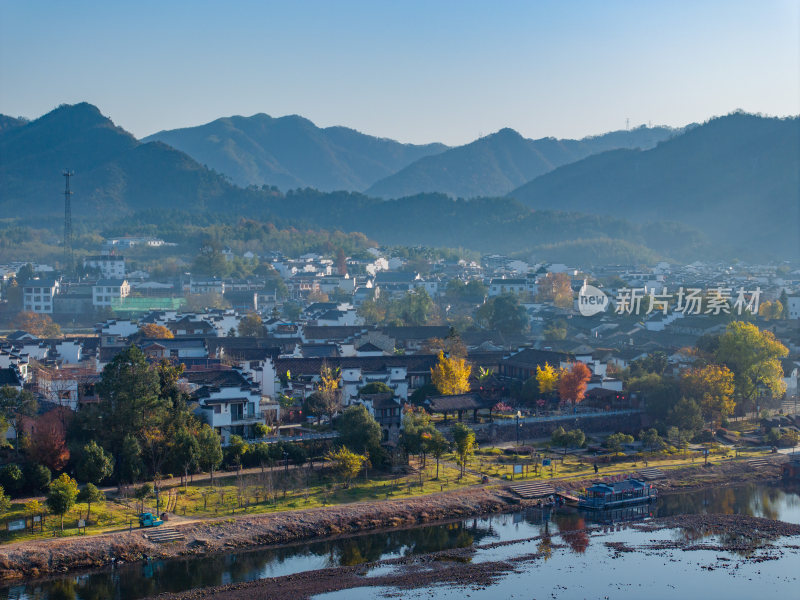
(110, 266)
(106, 291)
(38, 295)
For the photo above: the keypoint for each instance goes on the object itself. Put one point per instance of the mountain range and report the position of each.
(291, 152)
(737, 178)
(496, 164)
(117, 173)
(732, 181)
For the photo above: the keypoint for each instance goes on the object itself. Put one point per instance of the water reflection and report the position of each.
(131, 582)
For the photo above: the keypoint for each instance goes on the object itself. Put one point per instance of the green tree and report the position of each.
(37, 477)
(686, 415)
(417, 430)
(657, 394)
(413, 309)
(651, 440)
(251, 326)
(263, 455)
(678, 438)
(90, 495)
(437, 445)
(210, 446)
(464, 441)
(315, 406)
(504, 314)
(235, 451)
(348, 463)
(568, 439)
(129, 393)
(142, 493)
(62, 495)
(754, 356)
(359, 431)
(556, 330)
(652, 363)
(5, 501)
(185, 453)
(376, 387)
(95, 464)
(130, 460)
(11, 478)
(784, 301)
(615, 441)
(15, 405)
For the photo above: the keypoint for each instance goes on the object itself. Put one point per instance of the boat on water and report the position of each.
(602, 496)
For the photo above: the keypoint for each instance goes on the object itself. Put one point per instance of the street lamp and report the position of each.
(518, 416)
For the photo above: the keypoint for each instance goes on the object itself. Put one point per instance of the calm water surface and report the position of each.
(582, 568)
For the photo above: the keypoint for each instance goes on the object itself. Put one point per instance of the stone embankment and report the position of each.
(53, 556)
(45, 557)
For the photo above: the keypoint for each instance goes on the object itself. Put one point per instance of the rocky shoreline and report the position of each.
(452, 567)
(58, 556)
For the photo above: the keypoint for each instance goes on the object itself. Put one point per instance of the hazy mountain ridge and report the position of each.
(498, 163)
(291, 152)
(115, 173)
(734, 177)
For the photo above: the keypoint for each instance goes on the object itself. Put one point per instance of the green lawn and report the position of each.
(248, 494)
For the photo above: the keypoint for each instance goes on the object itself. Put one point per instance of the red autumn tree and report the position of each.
(48, 445)
(572, 383)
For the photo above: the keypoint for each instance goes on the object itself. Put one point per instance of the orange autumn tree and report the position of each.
(155, 331)
(572, 383)
(48, 445)
(37, 324)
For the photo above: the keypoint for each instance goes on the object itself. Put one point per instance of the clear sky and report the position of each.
(417, 71)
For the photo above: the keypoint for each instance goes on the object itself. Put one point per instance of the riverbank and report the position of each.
(57, 556)
(744, 535)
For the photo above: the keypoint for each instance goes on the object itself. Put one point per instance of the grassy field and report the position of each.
(248, 494)
(496, 463)
(304, 488)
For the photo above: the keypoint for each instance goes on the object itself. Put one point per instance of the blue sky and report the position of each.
(415, 71)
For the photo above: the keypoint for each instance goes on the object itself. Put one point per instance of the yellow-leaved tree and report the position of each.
(451, 374)
(328, 389)
(712, 388)
(547, 377)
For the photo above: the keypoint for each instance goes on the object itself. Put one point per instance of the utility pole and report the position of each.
(68, 256)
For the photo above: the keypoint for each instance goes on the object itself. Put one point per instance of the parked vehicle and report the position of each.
(148, 520)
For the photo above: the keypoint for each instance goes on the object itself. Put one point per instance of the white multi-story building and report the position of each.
(354, 378)
(105, 291)
(110, 266)
(229, 402)
(794, 307)
(38, 295)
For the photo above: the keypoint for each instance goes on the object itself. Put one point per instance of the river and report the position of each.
(577, 564)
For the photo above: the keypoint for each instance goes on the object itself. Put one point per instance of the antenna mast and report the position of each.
(68, 256)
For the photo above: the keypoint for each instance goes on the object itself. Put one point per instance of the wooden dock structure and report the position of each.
(534, 489)
(651, 474)
(162, 535)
